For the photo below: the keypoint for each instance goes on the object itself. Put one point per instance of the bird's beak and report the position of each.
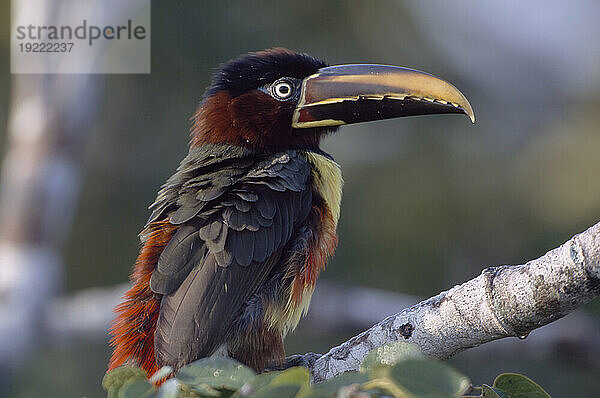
(347, 94)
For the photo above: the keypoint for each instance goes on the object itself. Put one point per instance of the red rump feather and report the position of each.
(133, 329)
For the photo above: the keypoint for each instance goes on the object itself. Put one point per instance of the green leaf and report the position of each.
(289, 381)
(256, 383)
(209, 374)
(297, 375)
(390, 354)
(429, 378)
(116, 378)
(263, 379)
(202, 390)
(492, 392)
(277, 391)
(332, 386)
(186, 393)
(136, 389)
(519, 386)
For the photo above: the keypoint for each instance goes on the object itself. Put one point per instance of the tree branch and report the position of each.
(501, 302)
(504, 301)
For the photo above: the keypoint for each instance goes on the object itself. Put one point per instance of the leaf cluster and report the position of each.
(398, 370)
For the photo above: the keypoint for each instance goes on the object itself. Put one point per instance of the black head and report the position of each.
(278, 99)
(259, 69)
(252, 99)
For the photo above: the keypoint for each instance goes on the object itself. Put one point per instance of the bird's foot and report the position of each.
(306, 360)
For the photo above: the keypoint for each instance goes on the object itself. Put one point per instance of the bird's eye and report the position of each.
(282, 89)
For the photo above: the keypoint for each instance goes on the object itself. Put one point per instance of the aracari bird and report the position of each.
(239, 234)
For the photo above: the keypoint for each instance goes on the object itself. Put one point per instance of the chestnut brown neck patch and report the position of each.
(253, 120)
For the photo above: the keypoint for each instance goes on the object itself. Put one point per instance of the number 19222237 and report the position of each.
(45, 47)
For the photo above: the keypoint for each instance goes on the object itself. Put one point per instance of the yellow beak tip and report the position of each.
(468, 110)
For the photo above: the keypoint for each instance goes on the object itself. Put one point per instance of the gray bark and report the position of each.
(503, 301)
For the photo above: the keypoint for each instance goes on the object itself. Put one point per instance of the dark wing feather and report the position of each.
(242, 233)
(196, 319)
(188, 248)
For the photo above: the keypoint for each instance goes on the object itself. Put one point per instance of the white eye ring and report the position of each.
(283, 89)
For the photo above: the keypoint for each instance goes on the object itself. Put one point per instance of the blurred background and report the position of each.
(428, 202)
